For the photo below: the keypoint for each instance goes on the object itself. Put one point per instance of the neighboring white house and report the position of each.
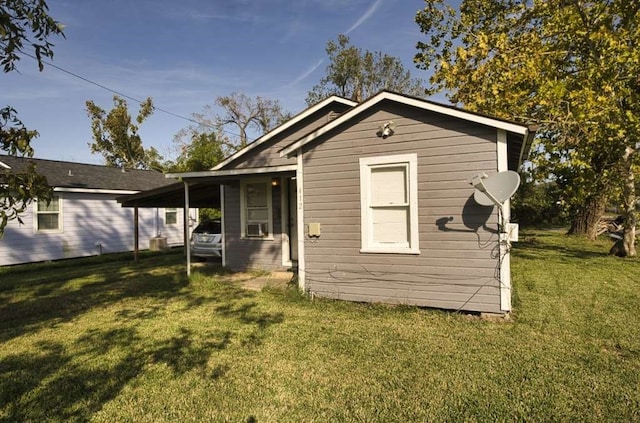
(84, 218)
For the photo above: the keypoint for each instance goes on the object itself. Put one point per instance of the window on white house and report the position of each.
(48, 216)
(170, 216)
(389, 204)
(256, 209)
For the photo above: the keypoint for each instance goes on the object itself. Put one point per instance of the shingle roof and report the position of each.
(88, 176)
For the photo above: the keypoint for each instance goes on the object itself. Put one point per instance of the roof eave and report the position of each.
(232, 172)
(412, 101)
(526, 144)
(283, 127)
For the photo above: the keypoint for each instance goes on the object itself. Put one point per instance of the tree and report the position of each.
(24, 25)
(116, 137)
(241, 116)
(243, 113)
(569, 65)
(18, 187)
(202, 153)
(358, 75)
(26, 22)
(536, 203)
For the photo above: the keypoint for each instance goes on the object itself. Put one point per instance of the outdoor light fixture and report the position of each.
(275, 182)
(387, 129)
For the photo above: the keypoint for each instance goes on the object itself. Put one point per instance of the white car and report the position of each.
(206, 239)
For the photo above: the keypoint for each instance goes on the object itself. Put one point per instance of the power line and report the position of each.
(128, 97)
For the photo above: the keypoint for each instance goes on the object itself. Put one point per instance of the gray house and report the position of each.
(372, 202)
(84, 217)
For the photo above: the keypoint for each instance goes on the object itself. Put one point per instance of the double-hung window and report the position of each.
(170, 216)
(256, 209)
(389, 204)
(48, 217)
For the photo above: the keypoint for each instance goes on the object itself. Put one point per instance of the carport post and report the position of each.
(187, 244)
(136, 235)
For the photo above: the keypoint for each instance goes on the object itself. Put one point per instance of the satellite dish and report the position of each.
(495, 189)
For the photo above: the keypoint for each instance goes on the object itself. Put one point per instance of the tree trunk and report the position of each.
(629, 201)
(629, 241)
(585, 222)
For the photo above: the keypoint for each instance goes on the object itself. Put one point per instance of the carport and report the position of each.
(196, 190)
(178, 195)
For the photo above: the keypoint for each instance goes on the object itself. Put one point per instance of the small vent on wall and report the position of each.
(333, 116)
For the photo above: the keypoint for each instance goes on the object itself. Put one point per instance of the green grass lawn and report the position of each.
(110, 340)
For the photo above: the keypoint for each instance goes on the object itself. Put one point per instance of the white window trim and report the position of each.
(243, 210)
(36, 229)
(366, 164)
(284, 208)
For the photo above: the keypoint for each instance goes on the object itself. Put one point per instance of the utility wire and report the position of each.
(128, 97)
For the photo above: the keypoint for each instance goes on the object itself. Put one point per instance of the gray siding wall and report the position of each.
(88, 219)
(268, 154)
(457, 267)
(244, 253)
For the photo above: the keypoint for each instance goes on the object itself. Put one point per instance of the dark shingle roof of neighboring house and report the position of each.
(88, 176)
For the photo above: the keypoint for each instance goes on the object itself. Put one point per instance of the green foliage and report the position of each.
(570, 66)
(26, 22)
(358, 75)
(538, 204)
(202, 153)
(154, 160)
(209, 214)
(116, 137)
(18, 187)
(24, 26)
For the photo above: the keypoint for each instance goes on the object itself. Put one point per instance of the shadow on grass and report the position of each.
(531, 248)
(69, 381)
(62, 296)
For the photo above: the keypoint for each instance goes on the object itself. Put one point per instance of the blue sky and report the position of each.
(186, 53)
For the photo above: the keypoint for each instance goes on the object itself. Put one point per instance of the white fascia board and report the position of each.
(288, 124)
(233, 172)
(526, 143)
(95, 191)
(421, 104)
(502, 152)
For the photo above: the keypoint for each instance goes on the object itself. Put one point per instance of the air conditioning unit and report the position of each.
(256, 229)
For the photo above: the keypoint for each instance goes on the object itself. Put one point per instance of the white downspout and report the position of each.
(222, 229)
(186, 228)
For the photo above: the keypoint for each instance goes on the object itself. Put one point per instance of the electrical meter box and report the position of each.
(314, 229)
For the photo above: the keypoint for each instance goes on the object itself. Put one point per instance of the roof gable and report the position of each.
(271, 135)
(511, 127)
(80, 176)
